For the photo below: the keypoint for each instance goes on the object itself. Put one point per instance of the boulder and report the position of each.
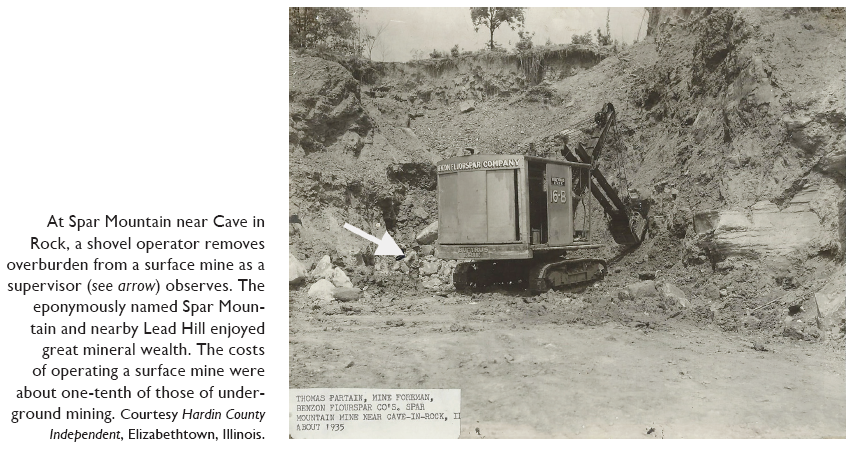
(430, 266)
(353, 260)
(346, 294)
(794, 330)
(295, 226)
(340, 278)
(323, 269)
(466, 106)
(834, 163)
(798, 330)
(400, 266)
(447, 268)
(644, 289)
(419, 212)
(297, 271)
(804, 132)
(429, 234)
(433, 283)
(322, 290)
(411, 258)
(427, 250)
(705, 221)
(672, 295)
(381, 266)
(350, 143)
(831, 301)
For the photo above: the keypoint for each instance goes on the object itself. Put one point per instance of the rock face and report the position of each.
(429, 234)
(706, 124)
(325, 106)
(764, 230)
(322, 290)
(297, 271)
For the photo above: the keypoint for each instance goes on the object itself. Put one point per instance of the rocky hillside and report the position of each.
(734, 121)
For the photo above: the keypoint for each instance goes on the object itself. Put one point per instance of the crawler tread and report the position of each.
(567, 272)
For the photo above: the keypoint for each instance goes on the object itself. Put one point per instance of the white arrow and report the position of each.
(385, 247)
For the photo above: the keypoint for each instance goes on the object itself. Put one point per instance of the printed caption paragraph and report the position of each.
(142, 328)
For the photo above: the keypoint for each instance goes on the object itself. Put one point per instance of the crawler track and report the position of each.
(538, 276)
(564, 273)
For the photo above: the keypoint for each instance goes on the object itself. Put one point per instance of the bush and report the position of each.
(525, 41)
(583, 39)
(604, 39)
(454, 52)
(436, 54)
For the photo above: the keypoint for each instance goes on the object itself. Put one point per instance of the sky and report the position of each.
(425, 29)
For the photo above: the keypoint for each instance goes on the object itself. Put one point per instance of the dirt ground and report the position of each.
(523, 376)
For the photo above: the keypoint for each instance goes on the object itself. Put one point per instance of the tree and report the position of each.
(437, 54)
(383, 50)
(360, 36)
(331, 28)
(525, 40)
(493, 17)
(583, 39)
(605, 39)
(372, 38)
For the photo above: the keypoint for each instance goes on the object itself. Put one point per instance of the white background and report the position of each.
(147, 108)
(142, 109)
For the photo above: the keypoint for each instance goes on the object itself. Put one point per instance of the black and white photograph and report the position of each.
(567, 222)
